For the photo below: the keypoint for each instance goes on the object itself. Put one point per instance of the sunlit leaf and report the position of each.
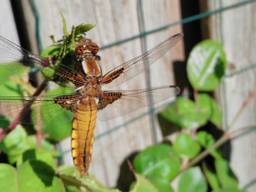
(34, 175)
(206, 65)
(186, 114)
(192, 180)
(11, 69)
(8, 178)
(80, 29)
(211, 177)
(225, 174)
(39, 154)
(206, 140)
(158, 161)
(15, 143)
(186, 146)
(142, 185)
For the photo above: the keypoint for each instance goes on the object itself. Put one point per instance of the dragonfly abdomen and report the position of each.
(84, 123)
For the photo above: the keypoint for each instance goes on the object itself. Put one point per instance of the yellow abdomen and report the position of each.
(82, 138)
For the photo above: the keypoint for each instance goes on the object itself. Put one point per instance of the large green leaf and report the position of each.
(142, 185)
(9, 70)
(8, 178)
(187, 114)
(158, 161)
(34, 175)
(55, 119)
(184, 145)
(39, 154)
(206, 65)
(192, 180)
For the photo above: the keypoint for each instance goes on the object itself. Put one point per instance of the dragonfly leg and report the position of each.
(108, 98)
(67, 101)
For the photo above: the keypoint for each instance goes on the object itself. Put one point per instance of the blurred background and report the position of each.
(124, 29)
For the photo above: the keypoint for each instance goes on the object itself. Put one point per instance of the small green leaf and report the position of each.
(185, 145)
(186, 114)
(48, 72)
(192, 180)
(206, 65)
(15, 143)
(206, 140)
(158, 161)
(8, 178)
(64, 23)
(225, 174)
(211, 177)
(51, 50)
(81, 29)
(4, 121)
(142, 185)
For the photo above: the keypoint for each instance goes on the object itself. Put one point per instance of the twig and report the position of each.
(228, 135)
(25, 108)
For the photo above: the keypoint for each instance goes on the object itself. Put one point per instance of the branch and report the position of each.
(24, 110)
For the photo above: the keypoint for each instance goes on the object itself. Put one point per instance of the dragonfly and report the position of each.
(90, 97)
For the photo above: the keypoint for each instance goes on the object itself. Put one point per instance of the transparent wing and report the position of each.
(12, 106)
(10, 51)
(133, 67)
(138, 101)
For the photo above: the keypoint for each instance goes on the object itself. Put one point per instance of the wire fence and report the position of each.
(143, 33)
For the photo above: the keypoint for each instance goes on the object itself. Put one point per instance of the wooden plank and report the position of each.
(8, 30)
(114, 20)
(235, 28)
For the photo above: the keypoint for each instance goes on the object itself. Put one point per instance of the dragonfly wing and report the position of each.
(14, 52)
(124, 102)
(133, 67)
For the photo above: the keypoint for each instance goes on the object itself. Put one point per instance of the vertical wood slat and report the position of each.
(236, 29)
(7, 29)
(115, 20)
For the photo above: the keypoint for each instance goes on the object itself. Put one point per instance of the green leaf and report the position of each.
(39, 154)
(206, 65)
(162, 185)
(186, 114)
(206, 140)
(81, 29)
(228, 190)
(34, 175)
(186, 146)
(11, 88)
(11, 70)
(4, 121)
(55, 119)
(51, 50)
(225, 174)
(211, 177)
(142, 185)
(64, 23)
(8, 178)
(192, 180)
(48, 72)
(15, 143)
(158, 161)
